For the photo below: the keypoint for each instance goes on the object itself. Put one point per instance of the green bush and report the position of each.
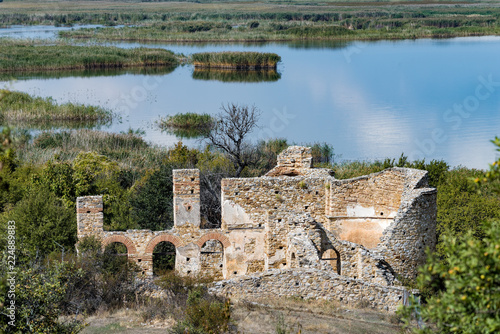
(204, 314)
(40, 292)
(42, 219)
(468, 281)
(461, 208)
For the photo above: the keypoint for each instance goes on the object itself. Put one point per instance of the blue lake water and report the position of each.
(432, 99)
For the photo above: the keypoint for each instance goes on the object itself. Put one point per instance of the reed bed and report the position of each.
(26, 56)
(187, 120)
(356, 22)
(128, 149)
(17, 107)
(236, 76)
(236, 60)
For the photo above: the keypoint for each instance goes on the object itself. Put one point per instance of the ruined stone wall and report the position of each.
(369, 230)
(246, 201)
(187, 197)
(404, 242)
(212, 259)
(374, 195)
(360, 209)
(310, 284)
(89, 216)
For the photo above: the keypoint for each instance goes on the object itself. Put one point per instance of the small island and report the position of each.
(236, 60)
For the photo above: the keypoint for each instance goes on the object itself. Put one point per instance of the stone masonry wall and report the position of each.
(89, 218)
(310, 284)
(245, 202)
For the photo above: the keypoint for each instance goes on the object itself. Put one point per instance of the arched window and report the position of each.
(163, 257)
(332, 257)
(212, 259)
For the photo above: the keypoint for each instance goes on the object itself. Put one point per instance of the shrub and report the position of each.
(469, 300)
(39, 295)
(42, 219)
(204, 314)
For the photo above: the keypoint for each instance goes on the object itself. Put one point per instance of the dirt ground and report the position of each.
(279, 316)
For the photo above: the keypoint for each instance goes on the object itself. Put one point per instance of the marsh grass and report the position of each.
(186, 125)
(24, 56)
(225, 75)
(128, 149)
(17, 107)
(358, 21)
(236, 60)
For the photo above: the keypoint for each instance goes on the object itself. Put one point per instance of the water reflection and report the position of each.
(370, 100)
(110, 72)
(57, 125)
(186, 133)
(236, 75)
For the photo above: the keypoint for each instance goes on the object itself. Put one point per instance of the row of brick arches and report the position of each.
(211, 254)
(131, 249)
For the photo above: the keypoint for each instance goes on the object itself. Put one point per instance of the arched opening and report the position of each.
(163, 258)
(115, 256)
(212, 259)
(332, 257)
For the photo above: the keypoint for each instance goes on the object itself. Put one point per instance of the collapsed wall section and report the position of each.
(310, 284)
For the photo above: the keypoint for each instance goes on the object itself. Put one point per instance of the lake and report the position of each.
(432, 99)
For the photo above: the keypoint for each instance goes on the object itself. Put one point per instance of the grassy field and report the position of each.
(26, 56)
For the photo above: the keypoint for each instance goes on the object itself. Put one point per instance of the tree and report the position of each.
(230, 134)
(152, 200)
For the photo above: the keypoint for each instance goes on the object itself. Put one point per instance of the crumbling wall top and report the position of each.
(296, 157)
(295, 161)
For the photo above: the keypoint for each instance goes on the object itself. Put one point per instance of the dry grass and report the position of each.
(310, 317)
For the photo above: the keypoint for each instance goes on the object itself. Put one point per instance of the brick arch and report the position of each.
(214, 236)
(162, 237)
(131, 250)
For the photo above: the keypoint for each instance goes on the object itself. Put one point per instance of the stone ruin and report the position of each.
(296, 231)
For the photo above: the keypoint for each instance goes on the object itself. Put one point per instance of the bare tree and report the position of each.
(230, 132)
